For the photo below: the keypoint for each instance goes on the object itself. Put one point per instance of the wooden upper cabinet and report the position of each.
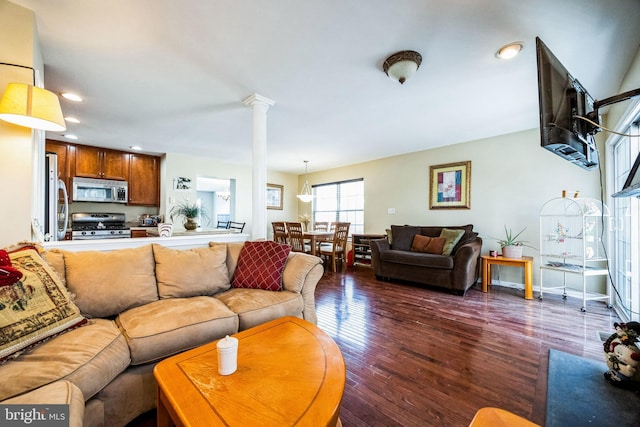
(94, 162)
(144, 180)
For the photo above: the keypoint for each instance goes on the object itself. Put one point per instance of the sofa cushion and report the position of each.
(426, 244)
(417, 259)
(90, 357)
(169, 326)
(57, 393)
(452, 236)
(108, 283)
(34, 308)
(233, 253)
(260, 265)
(191, 272)
(257, 306)
(403, 236)
(467, 237)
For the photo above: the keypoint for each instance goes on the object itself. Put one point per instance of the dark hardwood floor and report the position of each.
(424, 357)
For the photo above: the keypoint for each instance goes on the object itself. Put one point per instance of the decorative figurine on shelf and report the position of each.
(623, 356)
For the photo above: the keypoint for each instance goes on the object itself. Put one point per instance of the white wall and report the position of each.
(175, 165)
(511, 178)
(18, 45)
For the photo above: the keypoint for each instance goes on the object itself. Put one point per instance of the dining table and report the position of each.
(316, 236)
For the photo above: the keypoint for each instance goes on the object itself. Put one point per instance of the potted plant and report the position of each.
(511, 246)
(188, 211)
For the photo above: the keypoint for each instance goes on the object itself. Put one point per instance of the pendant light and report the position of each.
(305, 195)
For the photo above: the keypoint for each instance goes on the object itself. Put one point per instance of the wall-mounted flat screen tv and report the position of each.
(562, 100)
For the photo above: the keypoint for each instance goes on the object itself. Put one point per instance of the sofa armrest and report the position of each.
(466, 262)
(377, 246)
(301, 275)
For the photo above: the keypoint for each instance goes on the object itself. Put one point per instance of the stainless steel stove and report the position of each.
(88, 226)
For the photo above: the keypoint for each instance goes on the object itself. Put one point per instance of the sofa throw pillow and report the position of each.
(34, 308)
(107, 283)
(451, 236)
(260, 265)
(191, 272)
(429, 245)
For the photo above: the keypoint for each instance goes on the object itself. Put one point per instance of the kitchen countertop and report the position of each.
(179, 240)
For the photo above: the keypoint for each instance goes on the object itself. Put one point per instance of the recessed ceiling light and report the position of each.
(70, 136)
(510, 50)
(71, 119)
(135, 147)
(72, 97)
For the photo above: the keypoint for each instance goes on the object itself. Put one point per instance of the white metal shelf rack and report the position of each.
(574, 235)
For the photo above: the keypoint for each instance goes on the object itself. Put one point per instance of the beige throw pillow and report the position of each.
(191, 272)
(107, 283)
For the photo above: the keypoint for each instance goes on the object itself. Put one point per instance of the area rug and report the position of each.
(578, 395)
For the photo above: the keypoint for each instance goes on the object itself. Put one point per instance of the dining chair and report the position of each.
(337, 251)
(223, 225)
(280, 232)
(321, 226)
(233, 225)
(295, 235)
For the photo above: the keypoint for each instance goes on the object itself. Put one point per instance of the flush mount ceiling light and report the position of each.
(306, 195)
(510, 50)
(401, 65)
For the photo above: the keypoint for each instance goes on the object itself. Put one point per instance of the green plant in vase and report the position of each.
(511, 246)
(188, 211)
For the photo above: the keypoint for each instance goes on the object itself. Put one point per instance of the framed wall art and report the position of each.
(274, 196)
(450, 186)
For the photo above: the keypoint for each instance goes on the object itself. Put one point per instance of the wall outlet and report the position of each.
(391, 211)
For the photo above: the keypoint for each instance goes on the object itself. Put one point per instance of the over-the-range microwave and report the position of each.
(99, 190)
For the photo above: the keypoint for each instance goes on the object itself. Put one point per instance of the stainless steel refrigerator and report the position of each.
(56, 205)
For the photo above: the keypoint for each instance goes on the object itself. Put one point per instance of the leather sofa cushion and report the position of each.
(57, 393)
(257, 306)
(90, 357)
(190, 272)
(107, 283)
(403, 236)
(417, 258)
(166, 327)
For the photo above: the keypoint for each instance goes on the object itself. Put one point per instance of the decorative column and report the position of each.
(260, 105)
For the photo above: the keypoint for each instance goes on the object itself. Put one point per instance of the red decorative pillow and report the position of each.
(426, 244)
(8, 274)
(260, 265)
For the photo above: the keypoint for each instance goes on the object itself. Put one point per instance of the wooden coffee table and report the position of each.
(289, 373)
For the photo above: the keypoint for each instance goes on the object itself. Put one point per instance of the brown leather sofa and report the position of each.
(393, 258)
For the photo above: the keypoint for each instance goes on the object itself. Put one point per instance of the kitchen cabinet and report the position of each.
(136, 233)
(144, 180)
(66, 156)
(95, 162)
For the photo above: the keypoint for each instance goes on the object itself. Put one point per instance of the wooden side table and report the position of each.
(526, 262)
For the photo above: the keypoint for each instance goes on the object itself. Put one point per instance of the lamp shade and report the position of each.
(32, 107)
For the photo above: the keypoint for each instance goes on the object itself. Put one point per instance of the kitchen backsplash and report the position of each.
(132, 213)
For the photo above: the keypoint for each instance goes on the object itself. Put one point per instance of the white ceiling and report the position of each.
(171, 75)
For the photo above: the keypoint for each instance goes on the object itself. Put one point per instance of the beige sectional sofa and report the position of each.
(144, 305)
